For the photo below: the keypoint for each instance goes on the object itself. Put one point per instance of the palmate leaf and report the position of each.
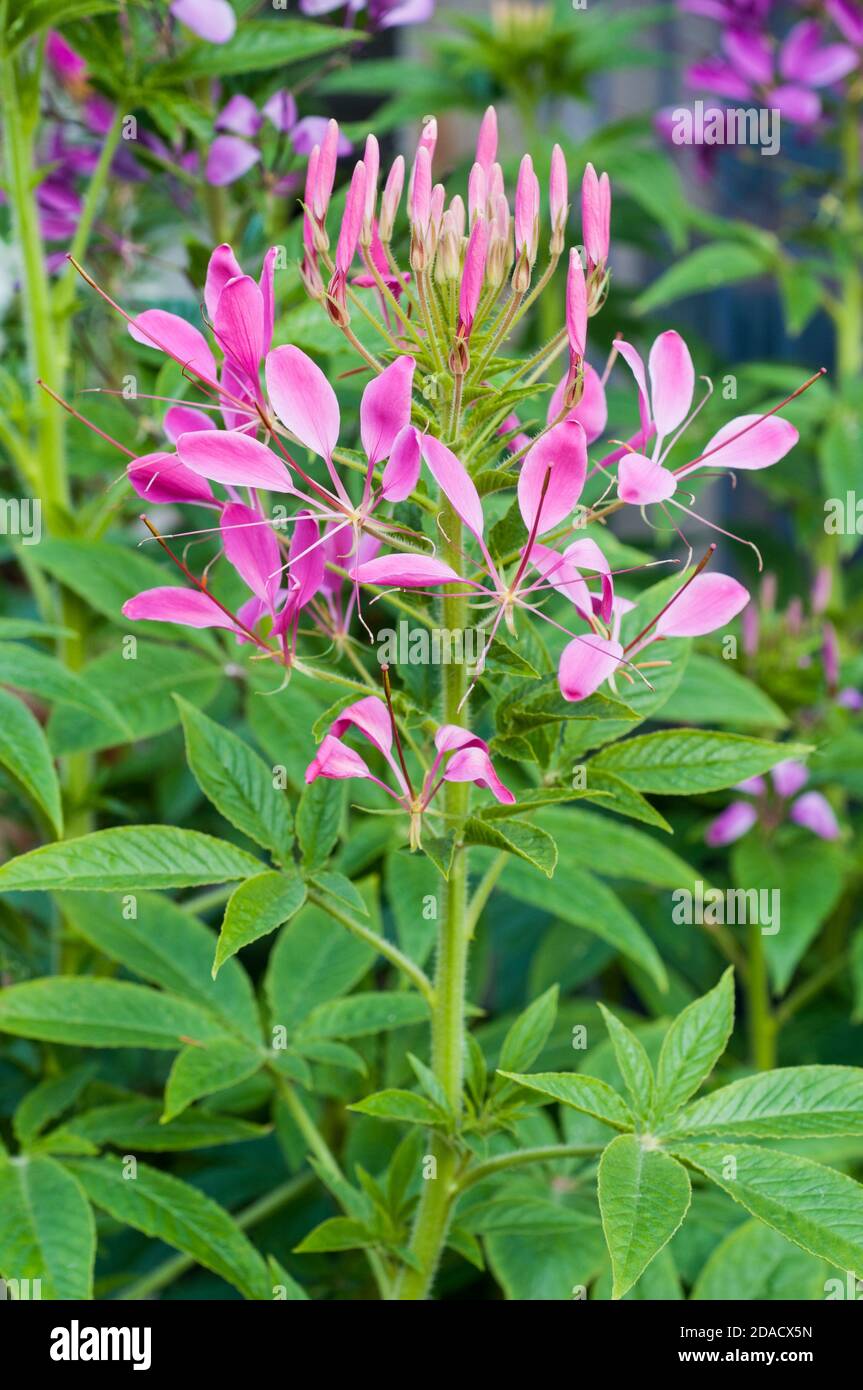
(313, 960)
(258, 906)
(47, 1231)
(137, 1126)
(812, 1206)
(167, 1209)
(516, 837)
(585, 1093)
(201, 1071)
(644, 1196)
(126, 858)
(693, 1044)
(633, 1063)
(755, 1263)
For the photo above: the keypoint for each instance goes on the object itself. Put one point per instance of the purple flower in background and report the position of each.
(812, 810)
(847, 15)
(744, 13)
(236, 149)
(383, 14)
(213, 20)
(752, 68)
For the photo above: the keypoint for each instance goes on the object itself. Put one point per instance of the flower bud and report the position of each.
(448, 261)
(326, 174)
(595, 218)
(372, 161)
(558, 197)
(391, 198)
(477, 193)
(486, 144)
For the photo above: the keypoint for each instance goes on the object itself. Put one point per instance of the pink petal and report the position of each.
(750, 54)
(402, 472)
(474, 765)
(640, 481)
(213, 20)
(161, 478)
(452, 736)
(371, 717)
(251, 547)
(486, 143)
(421, 188)
(576, 306)
(848, 18)
(789, 777)
(672, 381)
(595, 214)
(234, 459)
(814, 811)
(268, 295)
(707, 603)
(715, 75)
(385, 409)
(352, 219)
(563, 451)
(189, 607)
(732, 823)
(796, 104)
(307, 560)
(585, 663)
(406, 571)
(805, 59)
(633, 360)
(177, 338)
(336, 761)
(182, 419)
(472, 275)
(591, 411)
(222, 267)
(229, 158)
(454, 481)
(755, 786)
(303, 399)
(762, 445)
(239, 324)
(558, 190)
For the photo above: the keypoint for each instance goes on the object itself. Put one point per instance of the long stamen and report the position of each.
(705, 560)
(385, 673)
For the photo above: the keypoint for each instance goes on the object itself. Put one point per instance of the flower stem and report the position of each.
(435, 1207)
(762, 1025)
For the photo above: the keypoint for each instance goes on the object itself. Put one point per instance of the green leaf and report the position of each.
(643, 1197)
(319, 818)
(237, 781)
(517, 837)
(139, 694)
(680, 762)
(134, 1126)
(257, 46)
(403, 1106)
(585, 1093)
(169, 947)
(526, 1038)
(200, 1071)
(754, 1263)
(340, 887)
(360, 1015)
(633, 1063)
(337, 1233)
(102, 1013)
(314, 959)
(47, 1230)
(588, 903)
(624, 800)
(29, 669)
(25, 753)
(28, 19)
(711, 692)
(166, 1209)
(48, 1100)
(693, 1044)
(294, 1293)
(255, 908)
(128, 858)
(706, 268)
(590, 841)
(793, 1102)
(812, 1206)
(413, 893)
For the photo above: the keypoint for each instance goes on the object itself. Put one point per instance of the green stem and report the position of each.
(39, 324)
(548, 1153)
(177, 1265)
(435, 1207)
(384, 948)
(849, 323)
(762, 1025)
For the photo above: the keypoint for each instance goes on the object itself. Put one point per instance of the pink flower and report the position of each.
(460, 757)
(213, 20)
(812, 810)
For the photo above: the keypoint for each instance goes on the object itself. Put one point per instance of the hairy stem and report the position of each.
(762, 1026)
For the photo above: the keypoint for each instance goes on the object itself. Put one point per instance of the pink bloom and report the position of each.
(213, 20)
(731, 824)
(814, 812)
(486, 143)
(595, 218)
(472, 277)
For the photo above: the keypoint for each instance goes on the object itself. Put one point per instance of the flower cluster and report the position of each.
(438, 428)
(811, 809)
